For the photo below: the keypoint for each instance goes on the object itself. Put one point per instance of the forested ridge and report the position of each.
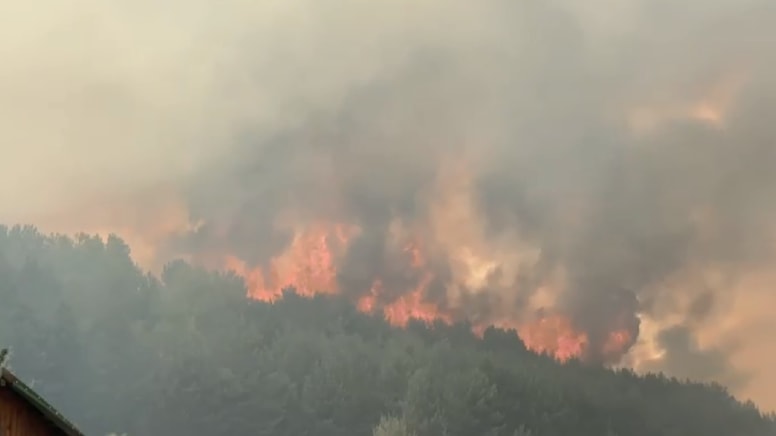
(185, 353)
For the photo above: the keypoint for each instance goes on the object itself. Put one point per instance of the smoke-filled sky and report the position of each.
(606, 160)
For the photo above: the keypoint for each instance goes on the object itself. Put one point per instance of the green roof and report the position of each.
(7, 378)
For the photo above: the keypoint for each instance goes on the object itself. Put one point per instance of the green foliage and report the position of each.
(119, 351)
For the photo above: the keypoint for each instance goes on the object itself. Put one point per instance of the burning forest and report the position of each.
(599, 179)
(434, 264)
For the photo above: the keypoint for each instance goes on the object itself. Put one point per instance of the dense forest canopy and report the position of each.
(120, 350)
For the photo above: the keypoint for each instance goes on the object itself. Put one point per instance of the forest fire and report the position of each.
(310, 265)
(554, 335)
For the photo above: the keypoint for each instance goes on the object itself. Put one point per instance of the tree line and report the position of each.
(118, 350)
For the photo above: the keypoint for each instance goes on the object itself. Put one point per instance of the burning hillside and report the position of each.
(436, 264)
(543, 166)
(406, 287)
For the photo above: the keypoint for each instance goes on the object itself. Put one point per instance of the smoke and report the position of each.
(608, 161)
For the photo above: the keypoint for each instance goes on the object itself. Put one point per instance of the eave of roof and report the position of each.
(51, 414)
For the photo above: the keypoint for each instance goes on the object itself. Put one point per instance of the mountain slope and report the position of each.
(118, 350)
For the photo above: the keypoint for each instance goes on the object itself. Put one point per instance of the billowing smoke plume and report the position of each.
(599, 173)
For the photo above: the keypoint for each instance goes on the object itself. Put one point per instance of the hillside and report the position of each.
(186, 353)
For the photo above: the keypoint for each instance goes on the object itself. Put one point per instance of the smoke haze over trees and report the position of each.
(120, 351)
(598, 175)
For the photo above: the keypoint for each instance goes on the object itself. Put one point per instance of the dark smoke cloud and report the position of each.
(541, 114)
(687, 360)
(626, 146)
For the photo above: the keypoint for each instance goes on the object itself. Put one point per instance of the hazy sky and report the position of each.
(630, 143)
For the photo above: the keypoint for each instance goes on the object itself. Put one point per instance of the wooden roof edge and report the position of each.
(41, 405)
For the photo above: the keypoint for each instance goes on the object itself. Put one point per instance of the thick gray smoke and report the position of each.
(620, 151)
(543, 112)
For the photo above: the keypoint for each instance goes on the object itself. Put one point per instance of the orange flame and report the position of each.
(556, 336)
(309, 265)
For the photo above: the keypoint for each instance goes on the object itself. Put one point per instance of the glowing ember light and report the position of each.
(554, 335)
(309, 265)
